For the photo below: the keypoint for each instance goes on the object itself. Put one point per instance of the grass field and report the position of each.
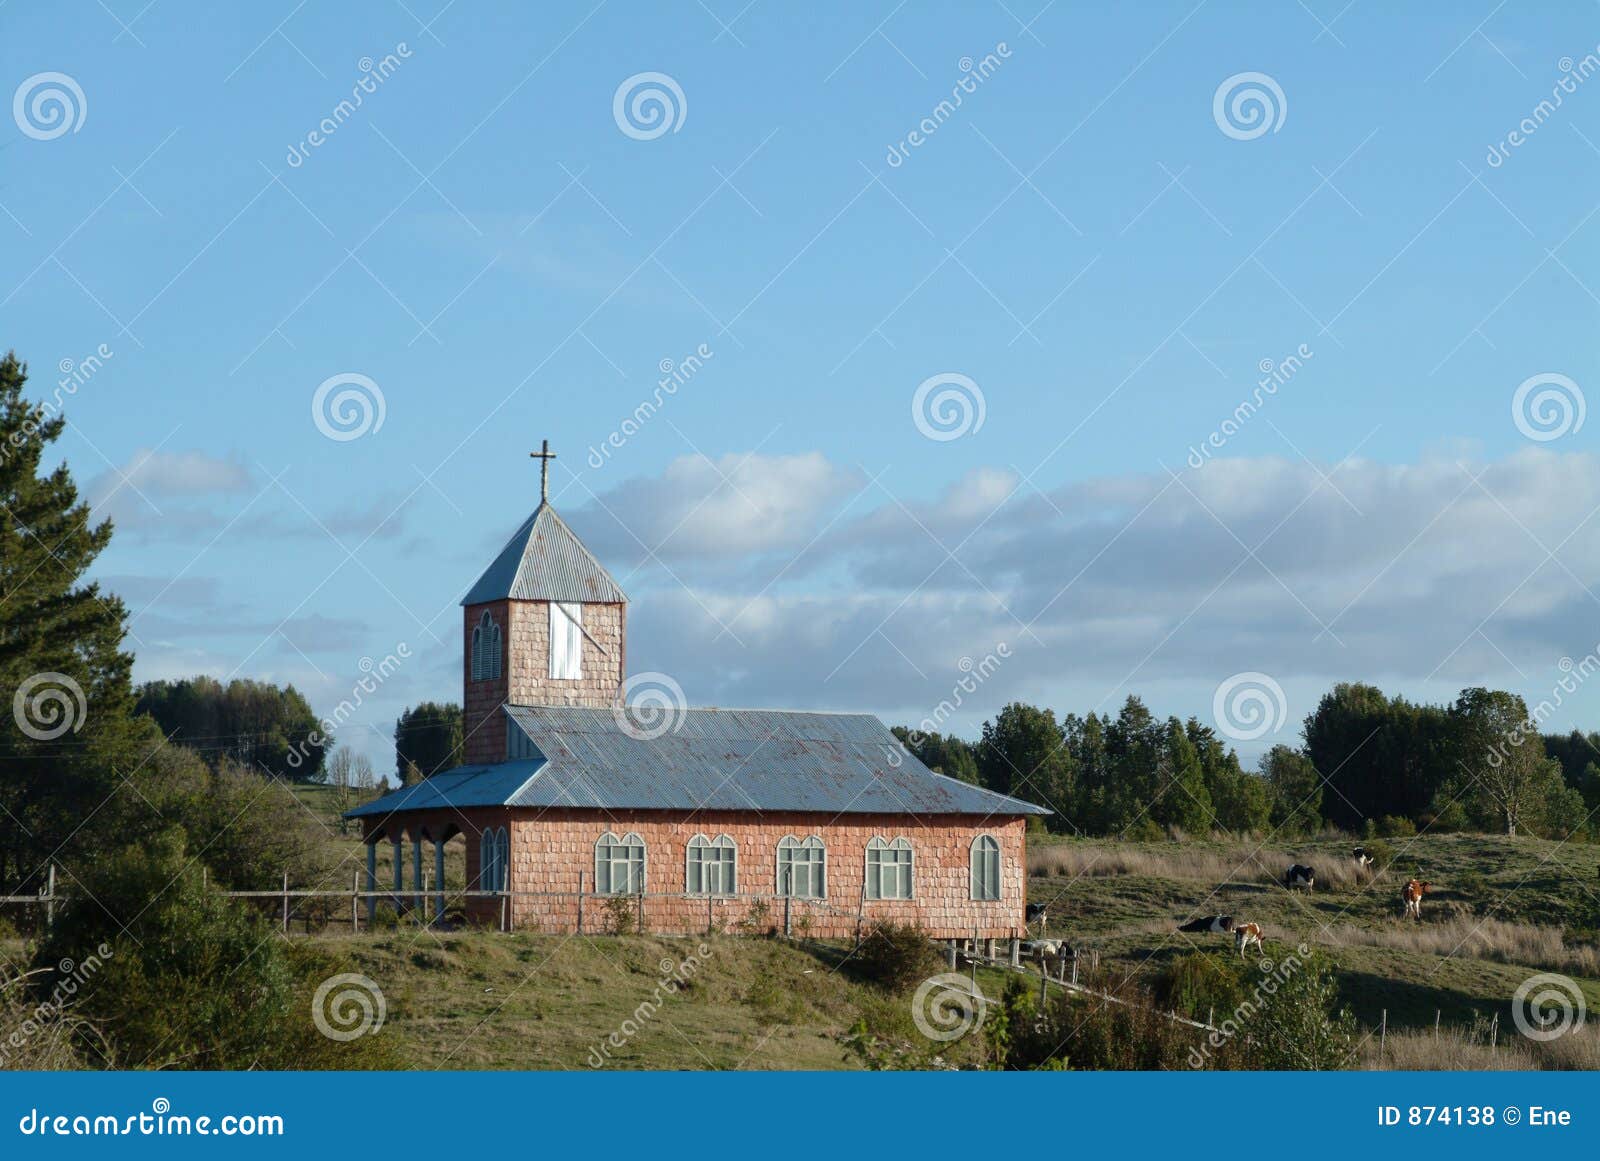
(1501, 910)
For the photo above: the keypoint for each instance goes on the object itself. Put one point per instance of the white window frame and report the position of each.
(607, 860)
(987, 849)
(718, 859)
(897, 871)
(566, 641)
(814, 865)
(485, 648)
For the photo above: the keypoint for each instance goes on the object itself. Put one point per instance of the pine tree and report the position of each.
(72, 741)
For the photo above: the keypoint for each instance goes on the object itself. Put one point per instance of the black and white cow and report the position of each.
(1210, 924)
(1299, 876)
(1363, 858)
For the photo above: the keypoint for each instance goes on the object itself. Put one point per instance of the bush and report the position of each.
(190, 978)
(1200, 983)
(620, 914)
(1298, 1026)
(1382, 854)
(1093, 1032)
(896, 957)
(1396, 826)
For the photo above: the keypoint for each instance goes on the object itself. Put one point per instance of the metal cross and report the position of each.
(544, 455)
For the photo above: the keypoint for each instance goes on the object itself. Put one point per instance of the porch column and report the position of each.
(399, 869)
(416, 872)
(372, 880)
(438, 878)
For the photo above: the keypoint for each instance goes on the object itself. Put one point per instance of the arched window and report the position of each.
(494, 859)
(711, 865)
(619, 864)
(485, 648)
(802, 868)
(985, 868)
(888, 869)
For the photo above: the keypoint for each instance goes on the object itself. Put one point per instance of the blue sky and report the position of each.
(1105, 261)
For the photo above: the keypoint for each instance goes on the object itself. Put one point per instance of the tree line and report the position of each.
(1368, 762)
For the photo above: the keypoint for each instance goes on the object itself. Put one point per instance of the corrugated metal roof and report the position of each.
(462, 786)
(545, 561)
(712, 759)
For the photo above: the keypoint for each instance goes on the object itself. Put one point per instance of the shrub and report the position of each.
(190, 978)
(895, 956)
(1127, 1032)
(620, 914)
(1200, 983)
(1396, 826)
(1382, 855)
(1146, 830)
(1298, 1025)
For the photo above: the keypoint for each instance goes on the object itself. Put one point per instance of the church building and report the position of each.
(576, 806)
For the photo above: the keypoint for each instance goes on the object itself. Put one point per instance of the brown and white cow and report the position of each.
(1411, 898)
(1245, 934)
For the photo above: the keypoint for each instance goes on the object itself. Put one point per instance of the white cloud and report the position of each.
(1427, 576)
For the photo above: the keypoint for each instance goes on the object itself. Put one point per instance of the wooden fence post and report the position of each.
(787, 928)
(286, 902)
(50, 896)
(580, 902)
(639, 923)
(1383, 1037)
(950, 953)
(710, 922)
(355, 901)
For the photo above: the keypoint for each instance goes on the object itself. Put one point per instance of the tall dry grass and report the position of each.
(1481, 1048)
(1464, 935)
(1211, 865)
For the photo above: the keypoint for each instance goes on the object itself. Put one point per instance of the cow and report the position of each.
(1051, 953)
(1298, 876)
(1363, 858)
(1212, 924)
(1245, 934)
(1411, 898)
(1037, 913)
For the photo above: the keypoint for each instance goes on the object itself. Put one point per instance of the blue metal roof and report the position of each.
(709, 759)
(545, 561)
(461, 786)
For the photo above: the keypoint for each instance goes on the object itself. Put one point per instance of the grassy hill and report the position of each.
(1500, 911)
(482, 1000)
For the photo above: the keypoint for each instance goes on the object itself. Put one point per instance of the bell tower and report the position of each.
(544, 625)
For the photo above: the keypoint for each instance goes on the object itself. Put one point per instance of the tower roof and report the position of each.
(545, 561)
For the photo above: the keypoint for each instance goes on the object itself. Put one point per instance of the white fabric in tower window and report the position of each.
(566, 641)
